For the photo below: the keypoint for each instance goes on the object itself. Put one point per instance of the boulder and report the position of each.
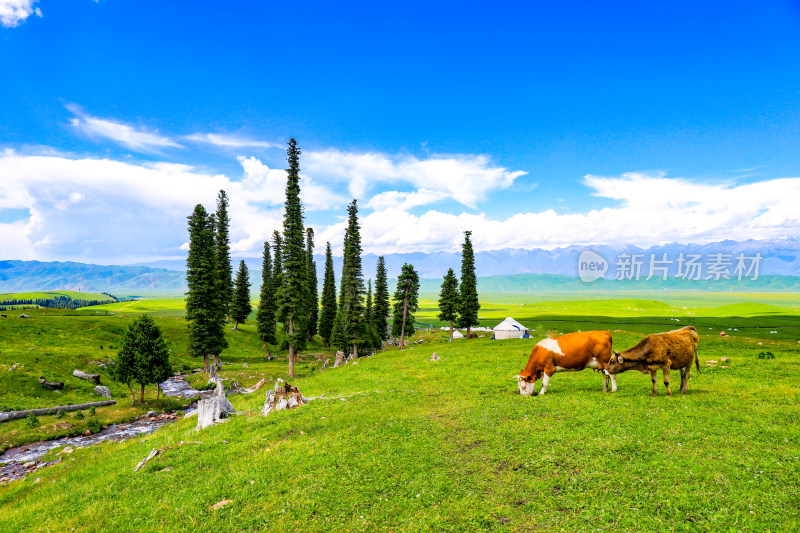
(102, 390)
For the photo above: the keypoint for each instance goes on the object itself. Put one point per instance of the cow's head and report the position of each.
(526, 382)
(614, 365)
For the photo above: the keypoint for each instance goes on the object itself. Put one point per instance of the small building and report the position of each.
(510, 329)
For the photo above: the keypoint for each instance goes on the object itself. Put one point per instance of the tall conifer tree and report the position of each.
(265, 316)
(468, 292)
(313, 297)
(203, 308)
(241, 306)
(381, 305)
(448, 299)
(277, 273)
(406, 299)
(329, 306)
(294, 291)
(223, 250)
(368, 309)
(349, 326)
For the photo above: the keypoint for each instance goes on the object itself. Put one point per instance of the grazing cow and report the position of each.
(673, 350)
(573, 351)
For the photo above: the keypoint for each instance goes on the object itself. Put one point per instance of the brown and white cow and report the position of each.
(573, 351)
(673, 350)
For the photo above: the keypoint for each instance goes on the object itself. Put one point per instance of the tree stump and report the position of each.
(51, 385)
(94, 378)
(283, 396)
(214, 408)
(339, 359)
(326, 365)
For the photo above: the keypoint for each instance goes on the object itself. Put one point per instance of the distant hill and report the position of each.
(23, 276)
(26, 276)
(779, 257)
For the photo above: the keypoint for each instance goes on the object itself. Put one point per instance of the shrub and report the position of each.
(79, 415)
(60, 414)
(31, 421)
(92, 411)
(94, 425)
(766, 355)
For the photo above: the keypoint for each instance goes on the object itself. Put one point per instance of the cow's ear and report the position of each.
(616, 353)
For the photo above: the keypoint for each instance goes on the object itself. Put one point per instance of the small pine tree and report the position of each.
(368, 308)
(406, 298)
(448, 300)
(311, 274)
(143, 356)
(241, 306)
(329, 306)
(381, 305)
(468, 292)
(265, 316)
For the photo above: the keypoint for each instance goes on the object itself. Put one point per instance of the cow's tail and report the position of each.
(697, 360)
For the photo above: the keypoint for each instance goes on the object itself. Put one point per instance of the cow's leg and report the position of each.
(613, 382)
(685, 379)
(605, 382)
(653, 379)
(665, 372)
(545, 382)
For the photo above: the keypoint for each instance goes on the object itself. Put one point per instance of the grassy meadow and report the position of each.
(401, 443)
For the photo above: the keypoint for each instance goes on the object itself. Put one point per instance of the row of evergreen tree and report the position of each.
(356, 321)
(56, 302)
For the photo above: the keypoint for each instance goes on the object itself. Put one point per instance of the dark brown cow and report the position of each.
(673, 350)
(573, 351)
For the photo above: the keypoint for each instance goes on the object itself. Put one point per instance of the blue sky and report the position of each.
(531, 124)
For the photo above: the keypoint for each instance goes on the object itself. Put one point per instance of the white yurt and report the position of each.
(457, 334)
(509, 329)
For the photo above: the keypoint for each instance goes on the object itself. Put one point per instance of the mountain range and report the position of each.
(777, 257)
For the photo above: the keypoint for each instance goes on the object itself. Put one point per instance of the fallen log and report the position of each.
(236, 387)
(15, 415)
(51, 385)
(94, 378)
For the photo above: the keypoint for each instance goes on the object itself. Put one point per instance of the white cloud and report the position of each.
(12, 12)
(268, 186)
(118, 132)
(464, 178)
(230, 141)
(116, 212)
(404, 200)
(652, 210)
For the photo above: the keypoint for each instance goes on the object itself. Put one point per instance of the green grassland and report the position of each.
(405, 444)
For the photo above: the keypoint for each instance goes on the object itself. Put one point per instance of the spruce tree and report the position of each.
(294, 290)
(448, 299)
(277, 274)
(349, 326)
(406, 299)
(143, 356)
(265, 316)
(381, 304)
(368, 308)
(468, 292)
(223, 251)
(203, 308)
(329, 306)
(241, 307)
(313, 297)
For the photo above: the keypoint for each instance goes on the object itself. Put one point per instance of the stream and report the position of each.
(25, 459)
